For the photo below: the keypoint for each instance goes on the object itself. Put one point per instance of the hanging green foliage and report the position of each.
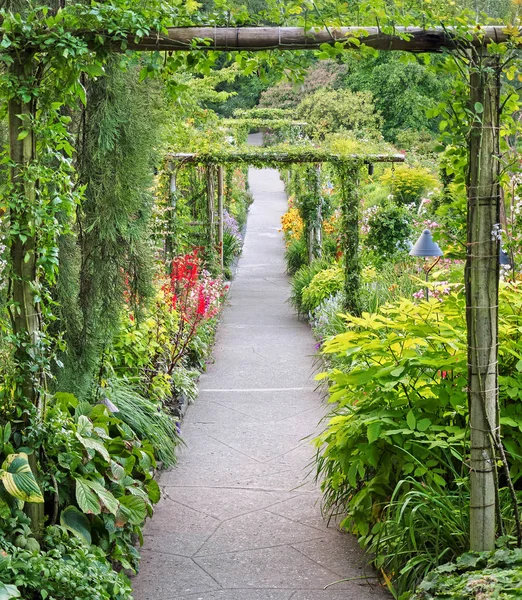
(111, 260)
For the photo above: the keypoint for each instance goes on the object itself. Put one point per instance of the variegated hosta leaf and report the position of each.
(18, 479)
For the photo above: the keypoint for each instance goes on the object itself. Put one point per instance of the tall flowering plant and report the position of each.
(195, 296)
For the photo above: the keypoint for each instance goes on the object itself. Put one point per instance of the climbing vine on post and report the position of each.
(348, 173)
(310, 210)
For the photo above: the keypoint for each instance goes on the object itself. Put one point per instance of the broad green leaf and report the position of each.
(133, 509)
(373, 432)
(94, 445)
(86, 498)
(439, 480)
(106, 497)
(19, 480)
(423, 424)
(153, 490)
(7, 432)
(77, 523)
(8, 591)
(479, 108)
(84, 426)
(411, 420)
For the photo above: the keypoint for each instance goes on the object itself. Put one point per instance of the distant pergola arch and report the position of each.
(348, 166)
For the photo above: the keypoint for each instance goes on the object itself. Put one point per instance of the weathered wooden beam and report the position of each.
(409, 39)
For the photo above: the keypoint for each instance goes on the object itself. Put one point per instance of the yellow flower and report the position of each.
(292, 224)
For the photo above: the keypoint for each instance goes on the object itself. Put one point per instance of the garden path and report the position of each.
(240, 519)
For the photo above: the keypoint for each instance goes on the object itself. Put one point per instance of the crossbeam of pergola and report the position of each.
(269, 157)
(408, 39)
(259, 123)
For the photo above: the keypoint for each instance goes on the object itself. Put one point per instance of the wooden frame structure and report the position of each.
(215, 162)
(482, 188)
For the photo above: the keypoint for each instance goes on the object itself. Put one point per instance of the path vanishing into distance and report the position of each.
(240, 518)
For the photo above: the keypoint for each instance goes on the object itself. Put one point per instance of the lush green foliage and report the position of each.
(302, 279)
(408, 184)
(324, 284)
(389, 229)
(483, 575)
(393, 455)
(66, 569)
(330, 111)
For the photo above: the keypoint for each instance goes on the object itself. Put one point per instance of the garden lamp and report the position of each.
(503, 259)
(425, 247)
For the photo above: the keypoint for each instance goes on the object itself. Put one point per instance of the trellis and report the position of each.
(348, 167)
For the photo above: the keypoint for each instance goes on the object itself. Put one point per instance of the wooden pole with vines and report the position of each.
(211, 188)
(348, 174)
(220, 215)
(24, 309)
(482, 281)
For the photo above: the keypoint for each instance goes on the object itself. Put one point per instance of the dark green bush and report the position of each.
(389, 229)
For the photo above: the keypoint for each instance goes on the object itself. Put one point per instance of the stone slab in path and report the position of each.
(240, 518)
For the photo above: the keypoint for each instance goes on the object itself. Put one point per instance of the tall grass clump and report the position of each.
(296, 255)
(148, 420)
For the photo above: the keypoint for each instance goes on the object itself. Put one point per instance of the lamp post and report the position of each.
(426, 247)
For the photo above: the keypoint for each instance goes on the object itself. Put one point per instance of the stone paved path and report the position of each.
(241, 519)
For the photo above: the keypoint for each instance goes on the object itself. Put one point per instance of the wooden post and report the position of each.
(210, 205)
(349, 183)
(24, 310)
(482, 277)
(220, 216)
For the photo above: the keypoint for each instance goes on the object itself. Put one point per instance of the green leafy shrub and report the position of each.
(296, 255)
(329, 111)
(66, 569)
(303, 278)
(324, 284)
(400, 405)
(393, 457)
(475, 576)
(101, 474)
(408, 184)
(389, 229)
(185, 384)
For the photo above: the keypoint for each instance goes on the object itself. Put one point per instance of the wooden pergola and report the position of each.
(275, 157)
(483, 189)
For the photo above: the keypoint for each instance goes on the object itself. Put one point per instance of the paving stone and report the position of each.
(279, 568)
(225, 504)
(241, 595)
(260, 529)
(367, 590)
(162, 576)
